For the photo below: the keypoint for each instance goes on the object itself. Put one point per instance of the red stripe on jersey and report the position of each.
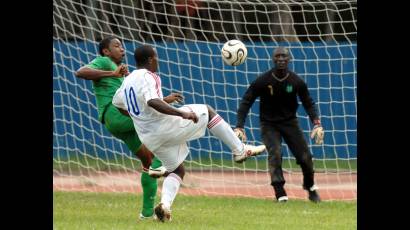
(157, 82)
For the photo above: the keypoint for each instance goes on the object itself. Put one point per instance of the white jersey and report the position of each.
(165, 135)
(136, 90)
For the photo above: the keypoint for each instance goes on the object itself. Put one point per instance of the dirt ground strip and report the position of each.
(333, 186)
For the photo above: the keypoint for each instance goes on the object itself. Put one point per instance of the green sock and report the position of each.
(149, 192)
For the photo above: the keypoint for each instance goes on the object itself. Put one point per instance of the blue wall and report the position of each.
(329, 70)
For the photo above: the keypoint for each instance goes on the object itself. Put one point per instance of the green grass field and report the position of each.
(73, 210)
(82, 163)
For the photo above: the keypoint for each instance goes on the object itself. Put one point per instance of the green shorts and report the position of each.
(121, 127)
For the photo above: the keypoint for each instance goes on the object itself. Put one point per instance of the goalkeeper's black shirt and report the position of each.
(278, 98)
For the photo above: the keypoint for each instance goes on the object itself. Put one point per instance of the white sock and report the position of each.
(219, 128)
(170, 189)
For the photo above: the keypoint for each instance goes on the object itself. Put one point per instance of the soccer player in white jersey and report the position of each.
(165, 129)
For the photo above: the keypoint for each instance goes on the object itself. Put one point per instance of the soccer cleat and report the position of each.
(157, 172)
(280, 193)
(162, 213)
(142, 217)
(313, 194)
(283, 199)
(249, 151)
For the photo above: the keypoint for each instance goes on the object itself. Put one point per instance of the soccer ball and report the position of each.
(234, 52)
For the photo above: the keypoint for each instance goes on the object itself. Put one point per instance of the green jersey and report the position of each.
(104, 88)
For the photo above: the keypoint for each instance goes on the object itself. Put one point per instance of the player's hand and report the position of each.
(190, 116)
(318, 134)
(122, 70)
(240, 133)
(174, 97)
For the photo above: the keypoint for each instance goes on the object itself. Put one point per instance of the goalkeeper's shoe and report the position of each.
(249, 151)
(157, 172)
(283, 199)
(280, 193)
(313, 194)
(162, 213)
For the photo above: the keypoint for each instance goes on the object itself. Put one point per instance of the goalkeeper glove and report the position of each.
(240, 133)
(318, 133)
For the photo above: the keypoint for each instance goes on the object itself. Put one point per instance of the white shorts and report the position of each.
(174, 150)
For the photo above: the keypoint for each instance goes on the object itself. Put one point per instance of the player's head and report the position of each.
(281, 57)
(146, 57)
(112, 47)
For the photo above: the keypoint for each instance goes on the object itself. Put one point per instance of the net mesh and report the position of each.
(188, 36)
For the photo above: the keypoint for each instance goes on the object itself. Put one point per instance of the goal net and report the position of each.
(188, 36)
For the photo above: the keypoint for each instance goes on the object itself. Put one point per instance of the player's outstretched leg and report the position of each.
(248, 151)
(219, 128)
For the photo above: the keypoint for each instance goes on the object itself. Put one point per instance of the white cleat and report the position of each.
(157, 172)
(249, 151)
(283, 199)
(162, 213)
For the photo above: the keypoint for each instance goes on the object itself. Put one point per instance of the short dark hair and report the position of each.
(281, 48)
(142, 54)
(105, 43)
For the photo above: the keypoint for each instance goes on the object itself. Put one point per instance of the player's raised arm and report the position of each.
(89, 73)
(162, 107)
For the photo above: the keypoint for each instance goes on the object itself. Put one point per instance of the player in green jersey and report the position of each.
(107, 73)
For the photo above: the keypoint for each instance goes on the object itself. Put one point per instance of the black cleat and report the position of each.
(280, 194)
(313, 194)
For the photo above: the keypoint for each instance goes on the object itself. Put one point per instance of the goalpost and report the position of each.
(188, 36)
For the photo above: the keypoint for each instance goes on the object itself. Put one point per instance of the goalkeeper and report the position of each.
(107, 74)
(278, 90)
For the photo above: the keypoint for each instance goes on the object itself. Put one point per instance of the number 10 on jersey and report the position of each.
(131, 102)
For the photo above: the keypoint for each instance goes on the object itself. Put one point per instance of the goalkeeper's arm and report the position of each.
(310, 107)
(247, 101)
